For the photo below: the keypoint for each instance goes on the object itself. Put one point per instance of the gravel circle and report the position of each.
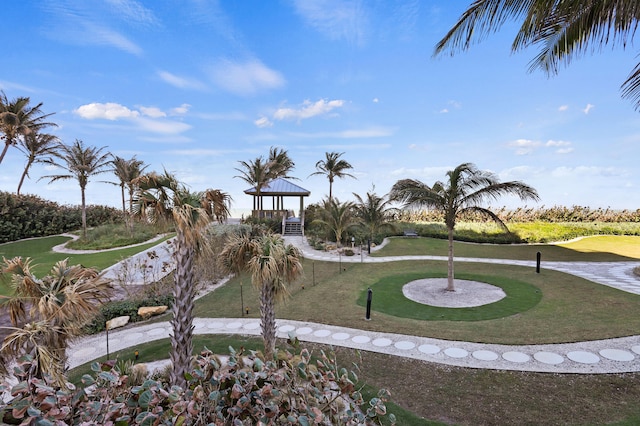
(432, 292)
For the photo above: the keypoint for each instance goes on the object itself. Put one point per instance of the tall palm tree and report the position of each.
(374, 212)
(163, 198)
(562, 29)
(18, 119)
(273, 265)
(258, 174)
(55, 309)
(126, 170)
(464, 190)
(337, 217)
(81, 162)
(38, 147)
(333, 167)
(280, 164)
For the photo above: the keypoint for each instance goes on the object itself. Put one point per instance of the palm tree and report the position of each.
(273, 265)
(333, 167)
(163, 198)
(18, 119)
(562, 29)
(56, 308)
(337, 217)
(81, 163)
(258, 174)
(375, 213)
(464, 190)
(126, 171)
(280, 164)
(38, 147)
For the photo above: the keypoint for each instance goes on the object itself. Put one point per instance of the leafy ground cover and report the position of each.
(114, 235)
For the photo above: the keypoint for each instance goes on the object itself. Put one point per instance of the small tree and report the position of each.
(333, 167)
(39, 148)
(336, 217)
(374, 213)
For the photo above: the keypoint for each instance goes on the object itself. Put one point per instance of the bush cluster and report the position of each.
(121, 308)
(246, 390)
(29, 216)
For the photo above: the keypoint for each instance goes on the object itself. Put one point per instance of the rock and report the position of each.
(118, 322)
(147, 312)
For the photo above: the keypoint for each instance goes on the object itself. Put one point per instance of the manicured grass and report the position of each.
(571, 308)
(520, 297)
(613, 249)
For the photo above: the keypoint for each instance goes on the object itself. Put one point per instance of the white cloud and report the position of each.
(180, 82)
(564, 147)
(372, 132)
(109, 111)
(97, 34)
(263, 122)
(152, 112)
(245, 78)
(588, 108)
(162, 126)
(133, 12)
(588, 172)
(375, 100)
(336, 19)
(181, 110)
(563, 107)
(523, 146)
(308, 110)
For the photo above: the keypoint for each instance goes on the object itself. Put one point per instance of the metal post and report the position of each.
(538, 258)
(241, 299)
(106, 326)
(369, 297)
(313, 271)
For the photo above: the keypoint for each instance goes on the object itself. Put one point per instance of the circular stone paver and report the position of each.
(322, 333)
(636, 349)
(429, 349)
(304, 330)
(513, 356)
(485, 355)
(234, 325)
(340, 336)
(215, 324)
(431, 291)
(133, 336)
(286, 328)
(583, 357)
(404, 345)
(251, 326)
(617, 355)
(381, 342)
(456, 352)
(361, 339)
(548, 358)
(156, 331)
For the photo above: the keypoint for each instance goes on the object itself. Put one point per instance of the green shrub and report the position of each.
(121, 308)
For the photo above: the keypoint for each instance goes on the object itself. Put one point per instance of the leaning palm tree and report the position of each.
(47, 313)
(280, 164)
(39, 148)
(163, 198)
(465, 189)
(81, 162)
(273, 265)
(333, 167)
(375, 213)
(562, 29)
(336, 217)
(126, 170)
(18, 119)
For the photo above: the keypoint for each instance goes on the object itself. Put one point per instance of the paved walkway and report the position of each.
(602, 356)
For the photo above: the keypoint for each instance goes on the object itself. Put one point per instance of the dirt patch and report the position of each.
(432, 291)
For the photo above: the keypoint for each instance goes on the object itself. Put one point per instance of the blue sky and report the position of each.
(194, 86)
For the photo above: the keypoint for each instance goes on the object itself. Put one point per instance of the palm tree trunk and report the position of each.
(182, 321)
(268, 319)
(84, 214)
(24, 174)
(124, 209)
(4, 150)
(450, 286)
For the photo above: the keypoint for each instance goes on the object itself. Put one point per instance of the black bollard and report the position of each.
(369, 297)
(538, 257)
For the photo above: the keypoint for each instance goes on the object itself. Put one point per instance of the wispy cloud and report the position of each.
(133, 11)
(450, 105)
(245, 78)
(263, 122)
(563, 147)
(308, 109)
(151, 119)
(563, 108)
(588, 108)
(371, 132)
(180, 82)
(524, 146)
(336, 19)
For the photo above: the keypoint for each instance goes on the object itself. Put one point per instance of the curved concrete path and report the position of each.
(601, 356)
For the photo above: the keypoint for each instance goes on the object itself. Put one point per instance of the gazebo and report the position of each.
(278, 189)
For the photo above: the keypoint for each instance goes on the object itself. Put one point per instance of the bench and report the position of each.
(410, 233)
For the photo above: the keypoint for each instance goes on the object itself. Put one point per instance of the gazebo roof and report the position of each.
(279, 187)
